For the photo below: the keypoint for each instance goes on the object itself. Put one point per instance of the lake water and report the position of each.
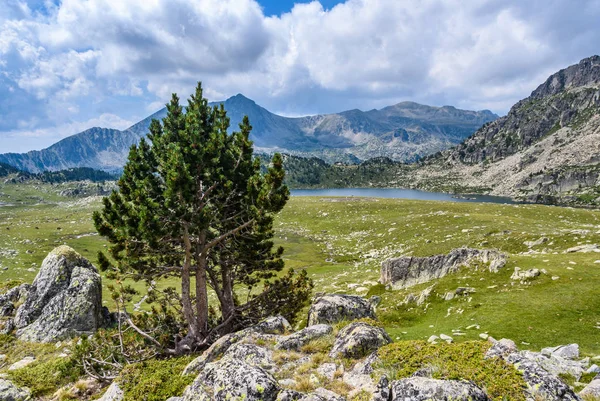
(401, 194)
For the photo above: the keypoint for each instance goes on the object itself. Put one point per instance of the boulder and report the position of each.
(251, 354)
(289, 395)
(556, 365)
(524, 275)
(271, 326)
(64, 301)
(296, 340)
(358, 339)
(232, 379)
(541, 384)
(10, 392)
(335, 308)
(360, 375)
(422, 389)
(570, 351)
(404, 272)
(113, 393)
(591, 390)
(382, 391)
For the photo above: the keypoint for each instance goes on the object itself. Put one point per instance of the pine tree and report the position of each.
(193, 204)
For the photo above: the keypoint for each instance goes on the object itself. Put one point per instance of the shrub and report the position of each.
(463, 361)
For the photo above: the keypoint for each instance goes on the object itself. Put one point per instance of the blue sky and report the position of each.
(69, 65)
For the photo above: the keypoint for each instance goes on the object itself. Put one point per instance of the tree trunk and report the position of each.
(201, 297)
(227, 299)
(186, 300)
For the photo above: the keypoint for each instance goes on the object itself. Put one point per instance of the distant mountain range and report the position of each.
(406, 131)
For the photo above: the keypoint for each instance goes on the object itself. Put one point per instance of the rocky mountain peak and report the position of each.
(585, 73)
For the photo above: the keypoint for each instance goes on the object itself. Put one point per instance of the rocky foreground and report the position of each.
(342, 354)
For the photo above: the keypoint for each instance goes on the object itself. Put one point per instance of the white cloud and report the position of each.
(79, 59)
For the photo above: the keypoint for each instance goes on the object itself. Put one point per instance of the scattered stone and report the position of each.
(64, 301)
(446, 338)
(593, 369)
(114, 393)
(524, 275)
(408, 271)
(583, 248)
(484, 336)
(10, 392)
(296, 340)
(359, 339)
(333, 308)
(382, 391)
(501, 348)
(327, 370)
(425, 389)
(592, 390)
(433, 339)
(28, 360)
(570, 351)
(540, 241)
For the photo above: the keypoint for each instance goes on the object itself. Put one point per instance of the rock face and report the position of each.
(65, 299)
(407, 271)
(358, 340)
(334, 308)
(424, 389)
(10, 392)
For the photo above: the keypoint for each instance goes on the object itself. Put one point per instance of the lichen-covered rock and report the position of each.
(333, 308)
(358, 339)
(64, 301)
(540, 383)
(113, 393)
(570, 351)
(501, 348)
(252, 355)
(271, 326)
(10, 392)
(8, 299)
(382, 391)
(424, 389)
(28, 360)
(555, 364)
(404, 272)
(296, 340)
(232, 379)
(322, 394)
(289, 395)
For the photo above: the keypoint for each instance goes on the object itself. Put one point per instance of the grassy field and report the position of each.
(342, 242)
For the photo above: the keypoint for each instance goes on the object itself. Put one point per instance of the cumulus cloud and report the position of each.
(63, 63)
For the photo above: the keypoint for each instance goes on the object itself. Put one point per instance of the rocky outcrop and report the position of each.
(408, 271)
(425, 389)
(10, 392)
(333, 308)
(271, 326)
(64, 301)
(358, 340)
(232, 379)
(591, 390)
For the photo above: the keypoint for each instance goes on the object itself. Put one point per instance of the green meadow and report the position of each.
(341, 242)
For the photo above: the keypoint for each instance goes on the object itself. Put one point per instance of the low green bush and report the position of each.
(462, 361)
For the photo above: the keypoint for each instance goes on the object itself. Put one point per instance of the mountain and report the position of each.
(405, 131)
(547, 148)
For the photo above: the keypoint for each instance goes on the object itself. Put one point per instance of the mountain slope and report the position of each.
(547, 148)
(406, 131)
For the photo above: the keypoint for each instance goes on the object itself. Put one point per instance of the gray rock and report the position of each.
(324, 395)
(334, 308)
(273, 325)
(592, 389)
(270, 326)
(296, 340)
(327, 370)
(232, 379)
(64, 301)
(593, 369)
(540, 382)
(289, 395)
(358, 339)
(408, 271)
(570, 351)
(382, 391)
(555, 364)
(10, 392)
(524, 275)
(175, 399)
(501, 348)
(424, 389)
(360, 375)
(252, 355)
(114, 393)
(28, 360)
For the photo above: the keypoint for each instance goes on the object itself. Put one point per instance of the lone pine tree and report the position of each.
(192, 203)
